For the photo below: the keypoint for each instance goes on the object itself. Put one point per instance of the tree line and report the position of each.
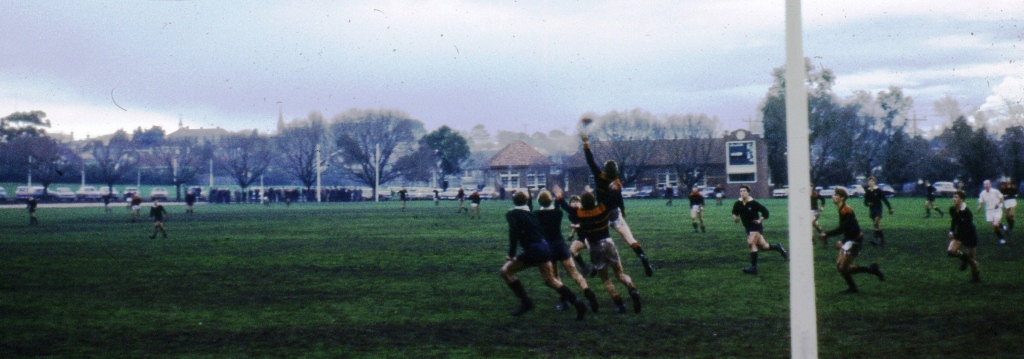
(868, 135)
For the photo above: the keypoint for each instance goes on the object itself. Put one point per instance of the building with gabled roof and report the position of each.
(520, 166)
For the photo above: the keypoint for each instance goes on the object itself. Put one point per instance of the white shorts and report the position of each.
(694, 210)
(136, 207)
(993, 215)
(474, 205)
(1010, 203)
(718, 195)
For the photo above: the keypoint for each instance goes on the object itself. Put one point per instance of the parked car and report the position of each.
(62, 194)
(781, 192)
(131, 191)
(855, 190)
(111, 191)
(88, 193)
(485, 193)
(629, 192)
(944, 188)
(645, 192)
(3, 195)
(828, 192)
(707, 192)
(23, 193)
(451, 193)
(158, 193)
(887, 190)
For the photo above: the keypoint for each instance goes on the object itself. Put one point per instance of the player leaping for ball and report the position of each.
(608, 189)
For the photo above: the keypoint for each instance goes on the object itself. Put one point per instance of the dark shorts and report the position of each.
(970, 242)
(534, 254)
(559, 251)
(875, 212)
(931, 198)
(754, 227)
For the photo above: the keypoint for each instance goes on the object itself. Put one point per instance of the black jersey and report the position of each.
(602, 183)
(524, 229)
(696, 199)
(816, 199)
(551, 224)
(961, 224)
(749, 212)
(1009, 190)
(157, 212)
(874, 198)
(930, 192)
(848, 225)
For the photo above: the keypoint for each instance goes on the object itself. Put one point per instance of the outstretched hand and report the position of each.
(557, 191)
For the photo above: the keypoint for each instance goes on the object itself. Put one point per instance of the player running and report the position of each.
(992, 201)
(963, 236)
(157, 213)
(929, 202)
(873, 199)
(697, 209)
(550, 218)
(1009, 191)
(851, 244)
(753, 214)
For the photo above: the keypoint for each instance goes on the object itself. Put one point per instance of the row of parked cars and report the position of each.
(942, 188)
(84, 194)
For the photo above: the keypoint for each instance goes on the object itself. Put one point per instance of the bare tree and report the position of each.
(180, 159)
(298, 146)
(115, 159)
(373, 140)
(245, 157)
(691, 141)
(630, 141)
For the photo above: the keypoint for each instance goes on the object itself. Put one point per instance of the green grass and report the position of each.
(366, 280)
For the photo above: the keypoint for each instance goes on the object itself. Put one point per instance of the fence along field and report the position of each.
(366, 279)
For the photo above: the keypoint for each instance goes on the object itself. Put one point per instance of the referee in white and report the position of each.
(992, 200)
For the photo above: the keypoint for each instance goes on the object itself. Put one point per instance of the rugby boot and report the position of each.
(877, 272)
(750, 270)
(648, 270)
(635, 296)
(522, 309)
(782, 251)
(591, 298)
(581, 309)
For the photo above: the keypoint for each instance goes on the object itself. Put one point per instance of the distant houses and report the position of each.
(735, 159)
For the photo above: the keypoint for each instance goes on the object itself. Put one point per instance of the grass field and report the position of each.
(366, 280)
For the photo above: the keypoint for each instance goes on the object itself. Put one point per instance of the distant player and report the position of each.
(963, 236)
(135, 204)
(850, 246)
(1009, 191)
(753, 214)
(929, 201)
(992, 201)
(190, 201)
(669, 194)
(106, 202)
(697, 209)
(157, 213)
(474, 205)
(524, 230)
(719, 193)
(461, 196)
(31, 206)
(873, 199)
(403, 195)
(437, 198)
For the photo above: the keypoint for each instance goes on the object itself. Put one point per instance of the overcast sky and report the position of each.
(97, 66)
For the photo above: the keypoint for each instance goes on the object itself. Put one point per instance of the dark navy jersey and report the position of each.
(961, 224)
(848, 225)
(524, 230)
(874, 198)
(157, 212)
(551, 224)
